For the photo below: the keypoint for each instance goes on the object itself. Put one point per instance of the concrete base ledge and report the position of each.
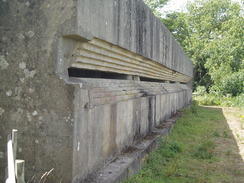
(132, 159)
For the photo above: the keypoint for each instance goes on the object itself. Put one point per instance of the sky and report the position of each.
(174, 5)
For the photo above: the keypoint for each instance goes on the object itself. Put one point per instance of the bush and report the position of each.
(201, 90)
(218, 100)
(233, 84)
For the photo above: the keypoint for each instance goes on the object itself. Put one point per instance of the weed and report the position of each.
(175, 147)
(216, 134)
(205, 150)
(225, 134)
(171, 170)
(228, 152)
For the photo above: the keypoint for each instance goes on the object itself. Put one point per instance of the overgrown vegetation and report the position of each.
(211, 33)
(195, 151)
(216, 99)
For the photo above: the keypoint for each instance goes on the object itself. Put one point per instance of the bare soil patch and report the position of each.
(234, 117)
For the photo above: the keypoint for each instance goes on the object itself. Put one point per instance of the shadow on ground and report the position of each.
(229, 139)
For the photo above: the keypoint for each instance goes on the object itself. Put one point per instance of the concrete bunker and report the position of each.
(122, 96)
(86, 84)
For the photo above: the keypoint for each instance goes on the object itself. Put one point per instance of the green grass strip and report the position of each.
(195, 151)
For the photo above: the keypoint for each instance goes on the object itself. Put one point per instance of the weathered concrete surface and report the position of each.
(33, 99)
(131, 25)
(128, 24)
(107, 121)
(77, 125)
(132, 159)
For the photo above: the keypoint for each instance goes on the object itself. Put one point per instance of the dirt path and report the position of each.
(233, 117)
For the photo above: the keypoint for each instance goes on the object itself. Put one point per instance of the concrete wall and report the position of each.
(77, 125)
(33, 99)
(131, 25)
(103, 128)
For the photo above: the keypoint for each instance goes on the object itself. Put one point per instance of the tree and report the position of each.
(211, 32)
(156, 5)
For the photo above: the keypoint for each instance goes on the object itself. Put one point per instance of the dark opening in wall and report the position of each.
(152, 80)
(86, 73)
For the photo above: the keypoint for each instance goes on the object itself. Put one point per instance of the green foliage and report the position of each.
(175, 22)
(216, 39)
(211, 32)
(156, 5)
(201, 90)
(208, 99)
(219, 100)
(233, 83)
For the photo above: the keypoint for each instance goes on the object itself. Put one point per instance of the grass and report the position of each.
(195, 151)
(214, 100)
